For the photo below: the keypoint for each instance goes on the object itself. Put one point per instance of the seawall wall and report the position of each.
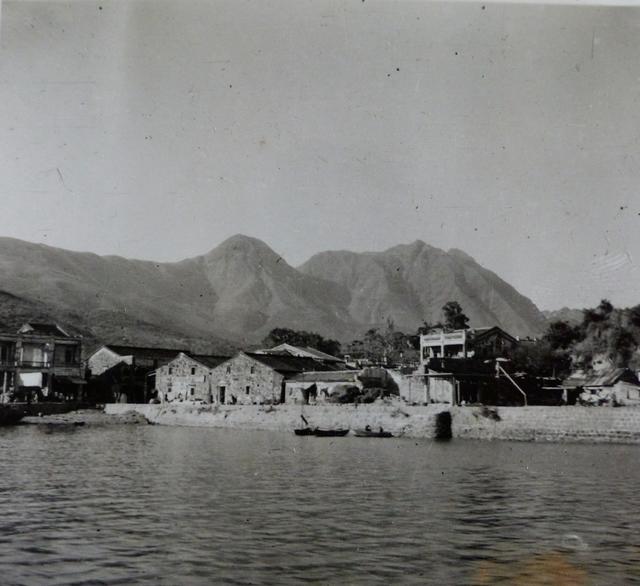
(409, 421)
(570, 423)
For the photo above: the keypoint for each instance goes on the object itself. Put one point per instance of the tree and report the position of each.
(561, 335)
(301, 338)
(454, 318)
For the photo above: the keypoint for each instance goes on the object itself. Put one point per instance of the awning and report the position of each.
(76, 380)
(30, 379)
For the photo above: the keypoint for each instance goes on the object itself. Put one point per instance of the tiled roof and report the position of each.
(144, 352)
(291, 364)
(209, 360)
(306, 351)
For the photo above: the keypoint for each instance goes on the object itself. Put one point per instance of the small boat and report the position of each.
(10, 415)
(330, 432)
(372, 433)
(304, 431)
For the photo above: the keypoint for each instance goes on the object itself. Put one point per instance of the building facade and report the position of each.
(41, 362)
(188, 378)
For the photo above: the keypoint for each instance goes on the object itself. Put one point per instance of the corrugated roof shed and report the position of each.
(606, 378)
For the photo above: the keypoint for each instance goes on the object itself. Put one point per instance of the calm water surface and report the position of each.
(161, 505)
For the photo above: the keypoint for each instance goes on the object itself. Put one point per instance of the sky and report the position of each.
(156, 130)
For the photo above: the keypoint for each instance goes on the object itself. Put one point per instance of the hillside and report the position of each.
(409, 283)
(242, 289)
(570, 315)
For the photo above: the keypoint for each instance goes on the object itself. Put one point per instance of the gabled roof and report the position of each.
(480, 333)
(141, 352)
(43, 329)
(301, 351)
(285, 364)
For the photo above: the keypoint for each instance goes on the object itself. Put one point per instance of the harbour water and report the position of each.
(137, 504)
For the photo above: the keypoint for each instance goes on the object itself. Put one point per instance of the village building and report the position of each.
(109, 355)
(317, 387)
(480, 343)
(609, 386)
(259, 378)
(188, 377)
(123, 373)
(41, 362)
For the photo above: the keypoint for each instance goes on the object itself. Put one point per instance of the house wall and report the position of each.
(184, 379)
(104, 359)
(295, 390)
(440, 389)
(247, 381)
(412, 389)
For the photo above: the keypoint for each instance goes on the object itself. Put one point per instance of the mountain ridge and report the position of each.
(242, 288)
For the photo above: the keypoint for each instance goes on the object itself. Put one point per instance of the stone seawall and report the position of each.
(570, 424)
(407, 421)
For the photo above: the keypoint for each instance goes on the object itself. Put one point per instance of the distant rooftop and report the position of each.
(43, 329)
(287, 364)
(145, 352)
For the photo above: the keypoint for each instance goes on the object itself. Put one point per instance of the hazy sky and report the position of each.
(158, 129)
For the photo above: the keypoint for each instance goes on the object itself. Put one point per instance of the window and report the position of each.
(193, 370)
(192, 391)
(253, 370)
(247, 390)
(228, 370)
(170, 370)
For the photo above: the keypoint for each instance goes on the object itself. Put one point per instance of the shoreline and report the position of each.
(541, 424)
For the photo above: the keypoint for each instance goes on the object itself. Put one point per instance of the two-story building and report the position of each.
(41, 362)
(188, 378)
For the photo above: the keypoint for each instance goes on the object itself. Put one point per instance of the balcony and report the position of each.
(13, 363)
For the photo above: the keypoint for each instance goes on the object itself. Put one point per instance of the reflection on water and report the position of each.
(152, 504)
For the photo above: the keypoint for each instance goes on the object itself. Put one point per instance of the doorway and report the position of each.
(222, 391)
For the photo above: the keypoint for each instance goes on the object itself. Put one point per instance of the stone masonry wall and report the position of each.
(248, 380)
(569, 423)
(184, 378)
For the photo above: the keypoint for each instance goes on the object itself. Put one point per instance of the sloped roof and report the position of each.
(606, 378)
(145, 352)
(306, 351)
(488, 330)
(208, 359)
(43, 329)
(286, 364)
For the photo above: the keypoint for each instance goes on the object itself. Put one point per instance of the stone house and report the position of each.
(258, 378)
(188, 377)
(109, 355)
(124, 373)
